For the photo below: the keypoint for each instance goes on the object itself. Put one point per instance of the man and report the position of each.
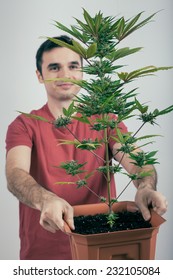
(32, 153)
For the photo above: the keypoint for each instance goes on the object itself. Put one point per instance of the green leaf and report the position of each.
(145, 71)
(70, 110)
(98, 21)
(119, 53)
(72, 167)
(123, 76)
(84, 27)
(73, 32)
(68, 142)
(76, 82)
(82, 119)
(132, 22)
(32, 116)
(91, 50)
(120, 28)
(120, 135)
(89, 21)
(164, 111)
(136, 27)
(79, 49)
(88, 146)
(65, 183)
(76, 47)
(62, 44)
(143, 109)
(147, 136)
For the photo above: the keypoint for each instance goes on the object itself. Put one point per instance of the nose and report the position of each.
(64, 73)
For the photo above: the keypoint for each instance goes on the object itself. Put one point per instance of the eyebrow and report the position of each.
(74, 62)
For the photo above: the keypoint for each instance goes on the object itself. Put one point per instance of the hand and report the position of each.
(55, 211)
(146, 197)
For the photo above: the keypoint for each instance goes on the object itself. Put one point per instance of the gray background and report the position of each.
(22, 22)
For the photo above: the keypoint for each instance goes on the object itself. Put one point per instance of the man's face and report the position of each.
(60, 63)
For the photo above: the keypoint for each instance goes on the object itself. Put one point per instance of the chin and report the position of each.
(66, 97)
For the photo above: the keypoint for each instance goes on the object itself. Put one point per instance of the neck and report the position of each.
(56, 108)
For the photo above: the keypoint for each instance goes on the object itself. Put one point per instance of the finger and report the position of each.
(66, 228)
(160, 210)
(145, 212)
(160, 207)
(132, 207)
(48, 226)
(68, 217)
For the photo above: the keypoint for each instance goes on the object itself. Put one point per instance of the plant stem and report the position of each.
(108, 169)
(124, 189)
(89, 188)
(139, 129)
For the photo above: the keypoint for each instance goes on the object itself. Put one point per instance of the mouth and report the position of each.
(65, 85)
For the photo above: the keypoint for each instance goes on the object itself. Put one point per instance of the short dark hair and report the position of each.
(47, 46)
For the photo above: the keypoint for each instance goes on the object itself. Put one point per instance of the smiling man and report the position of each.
(33, 151)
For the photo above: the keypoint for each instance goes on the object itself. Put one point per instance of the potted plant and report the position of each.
(97, 43)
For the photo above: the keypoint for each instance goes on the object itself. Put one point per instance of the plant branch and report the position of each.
(124, 189)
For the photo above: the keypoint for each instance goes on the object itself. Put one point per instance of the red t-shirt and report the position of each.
(43, 139)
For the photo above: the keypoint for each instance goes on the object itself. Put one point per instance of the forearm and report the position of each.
(25, 188)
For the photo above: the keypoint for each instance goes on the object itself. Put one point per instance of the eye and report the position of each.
(54, 67)
(74, 66)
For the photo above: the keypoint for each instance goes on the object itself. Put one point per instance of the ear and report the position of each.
(40, 77)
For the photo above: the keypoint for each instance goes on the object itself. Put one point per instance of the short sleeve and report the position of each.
(18, 133)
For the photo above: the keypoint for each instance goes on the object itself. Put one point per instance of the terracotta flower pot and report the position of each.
(136, 244)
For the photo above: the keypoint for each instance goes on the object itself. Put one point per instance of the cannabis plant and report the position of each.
(97, 39)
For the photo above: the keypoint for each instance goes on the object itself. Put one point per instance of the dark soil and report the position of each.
(98, 223)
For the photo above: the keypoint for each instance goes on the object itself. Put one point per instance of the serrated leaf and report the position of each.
(73, 32)
(70, 110)
(89, 175)
(148, 136)
(120, 135)
(65, 183)
(140, 107)
(152, 154)
(84, 27)
(76, 82)
(79, 49)
(123, 76)
(61, 43)
(119, 53)
(145, 71)
(81, 119)
(68, 142)
(139, 25)
(36, 117)
(164, 111)
(98, 20)
(132, 22)
(120, 28)
(89, 21)
(91, 50)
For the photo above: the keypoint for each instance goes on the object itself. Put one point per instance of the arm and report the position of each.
(54, 210)
(146, 194)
